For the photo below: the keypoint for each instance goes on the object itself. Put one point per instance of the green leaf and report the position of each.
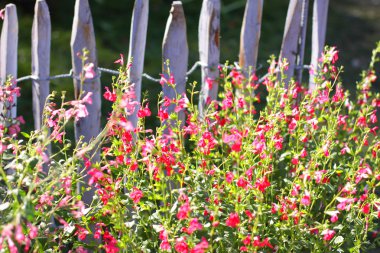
(4, 206)
(26, 135)
(338, 240)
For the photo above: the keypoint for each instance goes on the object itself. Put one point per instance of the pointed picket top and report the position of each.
(292, 40)
(320, 10)
(175, 54)
(209, 51)
(83, 37)
(8, 50)
(41, 40)
(137, 43)
(250, 35)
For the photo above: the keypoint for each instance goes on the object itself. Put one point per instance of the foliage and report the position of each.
(301, 175)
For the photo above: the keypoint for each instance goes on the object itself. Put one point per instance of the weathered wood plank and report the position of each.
(209, 51)
(302, 42)
(8, 51)
(250, 35)
(291, 44)
(83, 36)
(176, 51)
(320, 10)
(41, 40)
(137, 43)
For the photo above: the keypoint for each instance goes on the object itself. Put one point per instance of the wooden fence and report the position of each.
(174, 49)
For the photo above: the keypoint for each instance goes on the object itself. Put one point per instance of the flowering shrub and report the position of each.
(301, 175)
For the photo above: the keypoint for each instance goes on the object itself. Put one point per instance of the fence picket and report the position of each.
(302, 41)
(250, 35)
(83, 36)
(320, 10)
(137, 43)
(41, 34)
(8, 50)
(209, 51)
(176, 51)
(291, 47)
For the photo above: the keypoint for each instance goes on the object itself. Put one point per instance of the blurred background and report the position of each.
(353, 27)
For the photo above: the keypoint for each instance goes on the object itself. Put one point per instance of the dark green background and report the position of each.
(353, 26)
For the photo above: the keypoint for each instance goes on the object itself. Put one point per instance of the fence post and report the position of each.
(250, 35)
(8, 51)
(83, 36)
(137, 43)
(293, 42)
(176, 51)
(209, 51)
(320, 10)
(41, 39)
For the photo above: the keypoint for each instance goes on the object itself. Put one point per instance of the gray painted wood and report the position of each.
(175, 49)
(83, 36)
(320, 10)
(301, 49)
(137, 43)
(8, 51)
(209, 50)
(41, 40)
(292, 33)
(250, 35)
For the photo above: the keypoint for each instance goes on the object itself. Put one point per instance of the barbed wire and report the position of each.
(147, 76)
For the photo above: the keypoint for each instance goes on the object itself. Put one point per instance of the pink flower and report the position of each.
(233, 220)
(183, 212)
(33, 231)
(334, 218)
(136, 195)
(306, 199)
(19, 234)
(200, 247)
(328, 234)
(165, 245)
(81, 232)
(181, 245)
(209, 82)
(89, 72)
(229, 177)
(120, 60)
(295, 160)
(2, 14)
(193, 226)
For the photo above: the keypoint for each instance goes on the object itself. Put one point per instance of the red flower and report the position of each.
(110, 96)
(144, 112)
(262, 183)
(366, 208)
(233, 220)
